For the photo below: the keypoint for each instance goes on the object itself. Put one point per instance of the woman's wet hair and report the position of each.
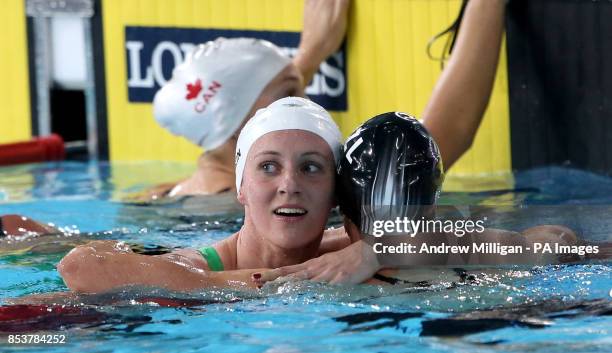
(451, 34)
(391, 168)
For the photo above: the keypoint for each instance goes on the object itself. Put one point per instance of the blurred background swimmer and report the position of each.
(222, 83)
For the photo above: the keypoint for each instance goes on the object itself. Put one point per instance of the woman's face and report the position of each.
(287, 187)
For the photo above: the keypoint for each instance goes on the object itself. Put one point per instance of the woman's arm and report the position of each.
(101, 266)
(323, 30)
(461, 95)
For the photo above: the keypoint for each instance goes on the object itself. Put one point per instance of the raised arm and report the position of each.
(322, 33)
(100, 266)
(462, 92)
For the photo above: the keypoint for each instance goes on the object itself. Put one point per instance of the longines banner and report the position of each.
(153, 52)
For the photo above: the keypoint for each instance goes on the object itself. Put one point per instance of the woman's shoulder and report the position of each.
(219, 256)
(216, 257)
(227, 250)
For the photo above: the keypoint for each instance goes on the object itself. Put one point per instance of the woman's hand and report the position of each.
(354, 264)
(324, 28)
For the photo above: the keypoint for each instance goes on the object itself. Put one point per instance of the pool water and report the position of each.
(539, 309)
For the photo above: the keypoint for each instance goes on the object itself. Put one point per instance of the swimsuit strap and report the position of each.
(212, 257)
(392, 280)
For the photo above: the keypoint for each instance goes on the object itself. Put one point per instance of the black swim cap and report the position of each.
(390, 167)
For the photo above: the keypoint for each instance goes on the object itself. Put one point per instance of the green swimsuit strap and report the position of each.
(211, 256)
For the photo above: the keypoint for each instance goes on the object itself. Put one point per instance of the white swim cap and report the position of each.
(212, 91)
(290, 113)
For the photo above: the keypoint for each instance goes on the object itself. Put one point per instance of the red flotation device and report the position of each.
(24, 318)
(39, 149)
(43, 317)
(49, 317)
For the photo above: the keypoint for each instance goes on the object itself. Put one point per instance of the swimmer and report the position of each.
(392, 167)
(222, 83)
(285, 173)
(452, 114)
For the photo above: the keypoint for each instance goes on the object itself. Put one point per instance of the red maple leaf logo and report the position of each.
(193, 90)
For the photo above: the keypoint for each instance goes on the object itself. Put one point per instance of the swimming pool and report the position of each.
(545, 309)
